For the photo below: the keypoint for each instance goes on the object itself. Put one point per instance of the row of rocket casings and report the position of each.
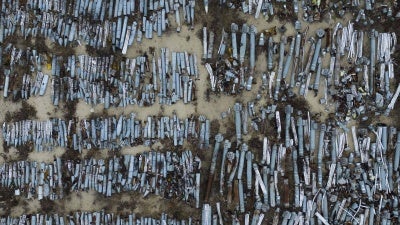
(94, 79)
(311, 9)
(346, 40)
(170, 175)
(111, 133)
(93, 22)
(96, 218)
(208, 217)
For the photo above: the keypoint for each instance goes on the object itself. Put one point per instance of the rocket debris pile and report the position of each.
(230, 75)
(352, 92)
(321, 171)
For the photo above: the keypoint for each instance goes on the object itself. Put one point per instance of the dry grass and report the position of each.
(7, 200)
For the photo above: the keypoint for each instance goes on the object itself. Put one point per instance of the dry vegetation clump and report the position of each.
(220, 17)
(230, 127)
(214, 127)
(125, 206)
(93, 153)
(7, 200)
(167, 144)
(6, 149)
(70, 154)
(62, 50)
(180, 211)
(114, 153)
(268, 128)
(40, 45)
(26, 112)
(24, 150)
(70, 109)
(255, 145)
(285, 12)
(298, 103)
(394, 114)
(192, 144)
(207, 94)
(102, 114)
(371, 118)
(100, 52)
(48, 206)
(67, 184)
(10, 39)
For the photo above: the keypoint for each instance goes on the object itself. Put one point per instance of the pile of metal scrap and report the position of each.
(377, 9)
(94, 22)
(312, 12)
(167, 174)
(96, 218)
(231, 74)
(102, 80)
(106, 133)
(342, 88)
(346, 87)
(349, 90)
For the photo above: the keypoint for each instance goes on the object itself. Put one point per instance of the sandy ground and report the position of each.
(89, 201)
